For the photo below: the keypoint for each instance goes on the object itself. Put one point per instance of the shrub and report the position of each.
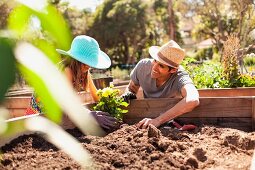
(207, 75)
(249, 59)
(118, 73)
(210, 74)
(246, 80)
(204, 54)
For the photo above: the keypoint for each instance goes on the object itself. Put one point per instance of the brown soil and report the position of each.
(207, 147)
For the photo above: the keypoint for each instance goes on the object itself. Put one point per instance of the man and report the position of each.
(163, 77)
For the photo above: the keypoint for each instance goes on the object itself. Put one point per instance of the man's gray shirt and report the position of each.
(141, 75)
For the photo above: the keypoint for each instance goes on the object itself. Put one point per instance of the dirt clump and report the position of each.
(206, 147)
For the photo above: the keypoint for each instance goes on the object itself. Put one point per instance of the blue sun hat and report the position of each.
(86, 50)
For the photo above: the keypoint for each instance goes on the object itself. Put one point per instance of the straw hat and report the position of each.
(170, 54)
(86, 50)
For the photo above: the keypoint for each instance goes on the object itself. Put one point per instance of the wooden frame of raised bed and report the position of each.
(233, 112)
(17, 103)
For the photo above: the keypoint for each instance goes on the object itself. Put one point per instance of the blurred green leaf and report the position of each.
(7, 65)
(50, 20)
(53, 22)
(51, 108)
(19, 19)
(4, 113)
(48, 49)
(14, 128)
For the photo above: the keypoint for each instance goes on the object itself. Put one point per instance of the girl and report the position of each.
(79, 76)
(84, 53)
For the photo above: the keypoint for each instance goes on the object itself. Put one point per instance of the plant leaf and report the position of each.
(125, 104)
(50, 105)
(7, 65)
(49, 50)
(18, 20)
(53, 22)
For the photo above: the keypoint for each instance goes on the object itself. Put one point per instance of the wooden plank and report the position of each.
(17, 102)
(223, 121)
(227, 92)
(220, 92)
(25, 92)
(243, 124)
(222, 107)
(253, 113)
(209, 107)
(17, 112)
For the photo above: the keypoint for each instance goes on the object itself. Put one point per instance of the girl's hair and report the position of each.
(80, 81)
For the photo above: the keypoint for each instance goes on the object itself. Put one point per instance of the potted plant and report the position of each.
(111, 102)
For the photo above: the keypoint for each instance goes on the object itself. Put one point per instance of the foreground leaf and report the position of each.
(51, 108)
(7, 65)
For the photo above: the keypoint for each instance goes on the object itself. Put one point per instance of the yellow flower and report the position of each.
(107, 92)
(111, 102)
(99, 91)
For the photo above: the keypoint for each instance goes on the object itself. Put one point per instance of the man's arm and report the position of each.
(188, 103)
(130, 92)
(132, 87)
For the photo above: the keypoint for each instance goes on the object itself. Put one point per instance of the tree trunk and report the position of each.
(171, 21)
(126, 52)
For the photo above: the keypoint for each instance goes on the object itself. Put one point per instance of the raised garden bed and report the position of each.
(17, 102)
(224, 139)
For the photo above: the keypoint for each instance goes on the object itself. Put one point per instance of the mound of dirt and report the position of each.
(207, 147)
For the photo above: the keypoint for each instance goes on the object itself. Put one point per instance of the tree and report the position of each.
(218, 19)
(165, 15)
(120, 28)
(246, 19)
(171, 20)
(77, 19)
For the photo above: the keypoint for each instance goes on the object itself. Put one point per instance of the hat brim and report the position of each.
(103, 60)
(153, 51)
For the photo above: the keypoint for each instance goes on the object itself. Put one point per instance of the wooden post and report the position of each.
(253, 113)
(171, 20)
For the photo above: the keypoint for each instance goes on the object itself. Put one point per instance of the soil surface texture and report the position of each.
(207, 147)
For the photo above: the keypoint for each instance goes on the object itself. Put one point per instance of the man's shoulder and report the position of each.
(143, 67)
(145, 61)
(181, 71)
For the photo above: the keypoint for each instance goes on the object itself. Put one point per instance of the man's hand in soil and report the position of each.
(105, 120)
(127, 96)
(143, 124)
